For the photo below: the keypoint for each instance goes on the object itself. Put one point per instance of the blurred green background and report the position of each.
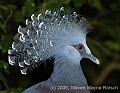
(104, 39)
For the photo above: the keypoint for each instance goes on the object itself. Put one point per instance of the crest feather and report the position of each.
(45, 34)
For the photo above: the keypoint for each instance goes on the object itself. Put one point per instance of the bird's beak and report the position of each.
(92, 58)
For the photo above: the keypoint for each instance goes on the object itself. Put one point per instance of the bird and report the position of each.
(58, 35)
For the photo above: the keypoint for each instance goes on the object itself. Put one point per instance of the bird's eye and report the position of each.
(79, 47)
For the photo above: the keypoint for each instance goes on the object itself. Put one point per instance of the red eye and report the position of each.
(79, 47)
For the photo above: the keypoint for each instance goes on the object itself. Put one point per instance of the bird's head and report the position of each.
(46, 34)
(85, 52)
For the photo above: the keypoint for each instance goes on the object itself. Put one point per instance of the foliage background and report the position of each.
(104, 40)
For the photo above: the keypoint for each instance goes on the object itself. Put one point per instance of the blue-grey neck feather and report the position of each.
(67, 69)
(67, 72)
